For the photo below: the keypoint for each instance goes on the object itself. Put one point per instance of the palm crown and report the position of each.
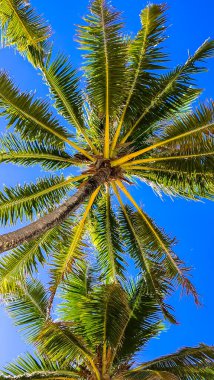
(98, 330)
(132, 121)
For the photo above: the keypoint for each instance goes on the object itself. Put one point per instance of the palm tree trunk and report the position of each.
(35, 229)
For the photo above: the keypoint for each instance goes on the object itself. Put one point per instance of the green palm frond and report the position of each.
(145, 253)
(82, 296)
(31, 118)
(189, 134)
(179, 178)
(17, 151)
(187, 364)
(64, 88)
(104, 230)
(27, 306)
(143, 322)
(38, 367)
(200, 123)
(111, 305)
(60, 344)
(23, 28)
(27, 201)
(145, 54)
(74, 292)
(64, 259)
(71, 250)
(160, 243)
(25, 260)
(167, 95)
(182, 163)
(105, 61)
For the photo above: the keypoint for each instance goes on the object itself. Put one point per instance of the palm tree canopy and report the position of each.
(132, 120)
(95, 332)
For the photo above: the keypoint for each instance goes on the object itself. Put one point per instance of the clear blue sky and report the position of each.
(191, 23)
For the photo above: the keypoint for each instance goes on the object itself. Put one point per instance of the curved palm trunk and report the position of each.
(35, 229)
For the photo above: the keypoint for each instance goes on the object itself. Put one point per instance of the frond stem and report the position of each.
(128, 157)
(158, 97)
(137, 72)
(46, 127)
(143, 215)
(157, 159)
(69, 109)
(47, 190)
(107, 126)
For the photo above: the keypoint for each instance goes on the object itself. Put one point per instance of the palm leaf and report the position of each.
(32, 118)
(60, 344)
(190, 134)
(36, 367)
(174, 266)
(27, 306)
(64, 86)
(82, 296)
(144, 55)
(143, 322)
(71, 250)
(23, 28)
(75, 291)
(180, 178)
(24, 261)
(187, 364)
(170, 93)
(26, 201)
(142, 249)
(105, 326)
(104, 230)
(105, 61)
(16, 151)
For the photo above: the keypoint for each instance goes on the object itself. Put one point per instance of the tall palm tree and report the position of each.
(133, 120)
(97, 331)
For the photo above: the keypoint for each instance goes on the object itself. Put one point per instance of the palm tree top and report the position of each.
(133, 120)
(95, 333)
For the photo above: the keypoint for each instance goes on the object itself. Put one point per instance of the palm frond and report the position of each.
(105, 61)
(27, 307)
(143, 322)
(23, 28)
(82, 297)
(36, 368)
(174, 267)
(104, 230)
(64, 88)
(70, 251)
(112, 310)
(17, 151)
(180, 178)
(187, 364)
(74, 292)
(24, 261)
(28, 201)
(145, 55)
(142, 249)
(32, 118)
(170, 93)
(189, 134)
(61, 344)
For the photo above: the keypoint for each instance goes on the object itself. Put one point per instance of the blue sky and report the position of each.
(192, 223)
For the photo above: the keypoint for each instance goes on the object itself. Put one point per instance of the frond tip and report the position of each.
(22, 27)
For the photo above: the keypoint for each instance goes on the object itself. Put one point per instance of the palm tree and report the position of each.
(133, 122)
(97, 332)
